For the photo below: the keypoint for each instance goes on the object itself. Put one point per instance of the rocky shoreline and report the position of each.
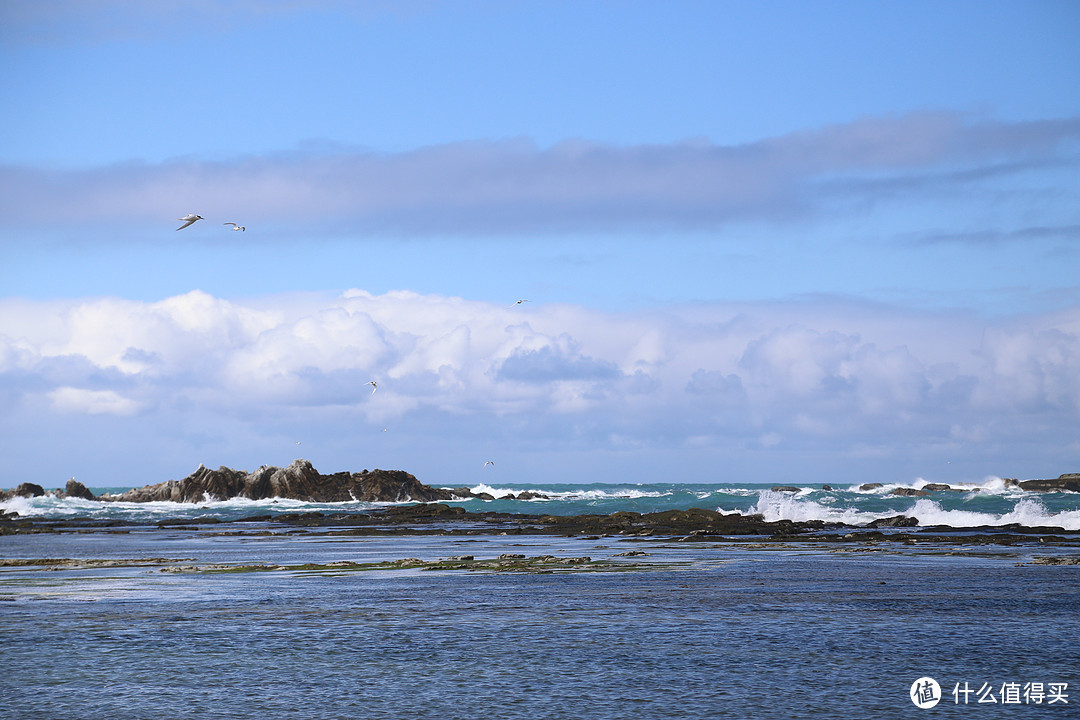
(692, 525)
(301, 481)
(429, 512)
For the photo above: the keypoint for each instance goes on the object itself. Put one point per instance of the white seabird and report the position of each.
(235, 226)
(489, 462)
(374, 386)
(519, 302)
(188, 219)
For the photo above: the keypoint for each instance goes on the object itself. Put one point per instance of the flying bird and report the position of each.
(519, 302)
(236, 227)
(374, 386)
(188, 219)
(489, 462)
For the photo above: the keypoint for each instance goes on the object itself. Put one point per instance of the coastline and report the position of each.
(696, 525)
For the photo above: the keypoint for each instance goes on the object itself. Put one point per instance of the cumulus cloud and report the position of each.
(842, 374)
(92, 402)
(514, 187)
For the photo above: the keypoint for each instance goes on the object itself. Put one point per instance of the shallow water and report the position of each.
(697, 632)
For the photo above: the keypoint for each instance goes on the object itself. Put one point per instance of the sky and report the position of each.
(768, 241)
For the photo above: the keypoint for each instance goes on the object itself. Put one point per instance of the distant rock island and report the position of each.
(298, 481)
(301, 481)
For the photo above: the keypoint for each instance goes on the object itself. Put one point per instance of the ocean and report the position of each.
(265, 620)
(989, 503)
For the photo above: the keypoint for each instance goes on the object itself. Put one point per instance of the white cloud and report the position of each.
(801, 372)
(513, 187)
(92, 402)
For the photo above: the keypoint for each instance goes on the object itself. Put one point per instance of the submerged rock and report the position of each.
(909, 492)
(299, 481)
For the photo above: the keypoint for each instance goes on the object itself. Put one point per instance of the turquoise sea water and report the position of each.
(990, 503)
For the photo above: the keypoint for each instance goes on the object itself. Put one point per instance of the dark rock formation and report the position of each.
(909, 492)
(24, 490)
(785, 488)
(1069, 482)
(299, 481)
(894, 521)
(76, 489)
(936, 487)
(871, 486)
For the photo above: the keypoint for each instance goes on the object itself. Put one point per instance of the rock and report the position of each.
(894, 521)
(299, 481)
(785, 488)
(826, 487)
(1069, 482)
(76, 489)
(909, 492)
(936, 487)
(871, 486)
(28, 490)
(424, 511)
(530, 495)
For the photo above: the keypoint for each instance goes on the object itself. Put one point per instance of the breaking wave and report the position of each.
(989, 503)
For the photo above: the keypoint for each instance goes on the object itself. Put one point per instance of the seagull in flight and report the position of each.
(489, 462)
(519, 302)
(374, 386)
(188, 219)
(236, 227)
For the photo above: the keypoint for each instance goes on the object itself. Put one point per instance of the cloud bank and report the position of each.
(514, 187)
(821, 376)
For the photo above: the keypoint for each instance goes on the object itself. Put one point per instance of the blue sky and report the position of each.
(771, 241)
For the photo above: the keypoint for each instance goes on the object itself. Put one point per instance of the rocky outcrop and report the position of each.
(299, 481)
(1069, 482)
(28, 490)
(76, 489)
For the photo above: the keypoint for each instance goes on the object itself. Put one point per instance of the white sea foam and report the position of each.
(1028, 511)
(773, 506)
(990, 485)
(590, 494)
(54, 507)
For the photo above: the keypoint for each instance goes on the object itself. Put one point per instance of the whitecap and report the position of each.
(773, 506)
